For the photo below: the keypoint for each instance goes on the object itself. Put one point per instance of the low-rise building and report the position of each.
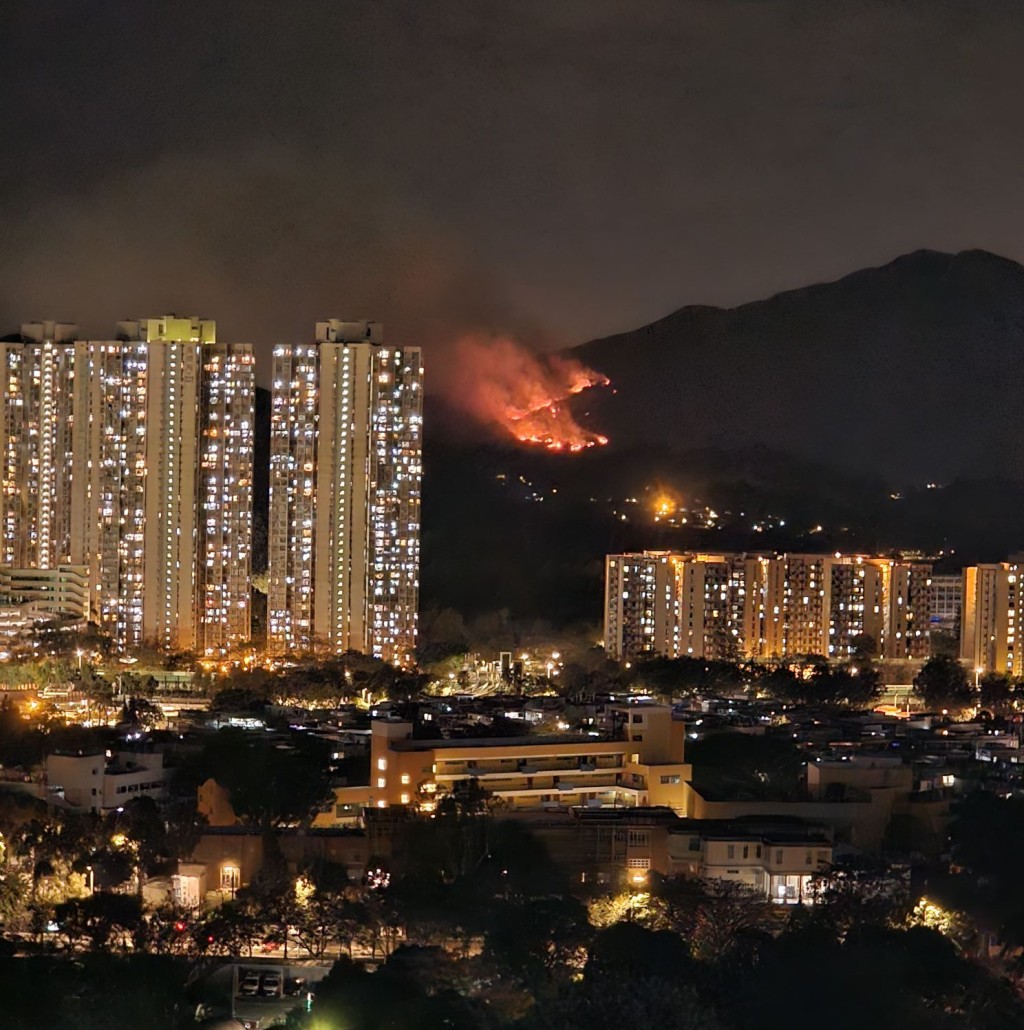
(96, 783)
(779, 861)
(645, 767)
(776, 857)
(228, 858)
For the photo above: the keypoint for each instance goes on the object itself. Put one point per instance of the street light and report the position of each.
(977, 673)
(79, 652)
(637, 881)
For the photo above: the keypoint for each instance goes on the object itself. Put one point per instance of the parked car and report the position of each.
(249, 985)
(270, 985)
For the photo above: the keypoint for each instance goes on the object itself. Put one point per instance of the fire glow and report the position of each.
(525, 394)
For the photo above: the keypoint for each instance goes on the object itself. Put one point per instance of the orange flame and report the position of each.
(503, 383)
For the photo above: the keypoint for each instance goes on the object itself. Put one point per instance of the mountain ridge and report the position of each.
(899, 369)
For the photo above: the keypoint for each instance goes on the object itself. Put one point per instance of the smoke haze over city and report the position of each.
(553, 171)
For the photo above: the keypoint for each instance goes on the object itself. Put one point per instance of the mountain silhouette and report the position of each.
(911, 371)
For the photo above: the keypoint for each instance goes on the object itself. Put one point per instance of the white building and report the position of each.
(99, 784)
(779, 865)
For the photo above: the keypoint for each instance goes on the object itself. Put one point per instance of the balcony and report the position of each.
(538, 767)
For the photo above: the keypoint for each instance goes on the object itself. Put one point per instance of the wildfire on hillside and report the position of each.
(525, 394)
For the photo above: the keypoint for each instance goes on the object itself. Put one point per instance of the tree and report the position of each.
(734, 765)
(14, 895)
(538, 939)
(442, 636)
(853, 684)
(942, 685)
(917, 982)
(229, 929)
(95, 991)
(142, 713)
(782, 683)
(139, 834)
(239, 699)
(167, 931)
(849, 896)
(454, 842)
(726, 912)
(326, 917)
(378, 920)
(611, 1004)
(101, 920)
(987, 835)
(864, 646)
(626, 951)
(996, 693)
(389, 999)
(269, 785)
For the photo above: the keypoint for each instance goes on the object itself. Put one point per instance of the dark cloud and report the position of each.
(554, 169)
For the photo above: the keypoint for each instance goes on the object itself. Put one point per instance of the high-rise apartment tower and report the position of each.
(345, 474)
(133, 457)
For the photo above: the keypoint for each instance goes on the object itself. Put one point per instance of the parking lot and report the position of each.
(260, 993)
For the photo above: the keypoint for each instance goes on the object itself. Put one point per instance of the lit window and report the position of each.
(405, 779)
(381, 782)
(382, 764)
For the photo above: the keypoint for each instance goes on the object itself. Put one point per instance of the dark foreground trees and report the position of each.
(942, 685)
(94, 991)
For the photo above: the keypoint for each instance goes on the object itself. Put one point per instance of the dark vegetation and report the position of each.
(495, 937)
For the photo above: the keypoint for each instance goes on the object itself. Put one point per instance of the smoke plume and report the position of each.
(502, 383)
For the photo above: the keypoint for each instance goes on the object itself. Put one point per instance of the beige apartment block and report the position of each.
(734, 606)
(990, 618)
(538, 774)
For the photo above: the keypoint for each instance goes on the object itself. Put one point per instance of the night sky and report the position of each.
(560, 170)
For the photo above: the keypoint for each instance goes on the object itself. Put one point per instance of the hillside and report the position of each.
(912, 371)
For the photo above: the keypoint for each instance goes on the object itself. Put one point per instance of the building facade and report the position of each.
(41, 434)
(990, 619)
(345, 477)
(641, 605)
(947, 598)
(730, 606)
(60, 592)
(133, 457)
(96, 783)
(643, 766)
